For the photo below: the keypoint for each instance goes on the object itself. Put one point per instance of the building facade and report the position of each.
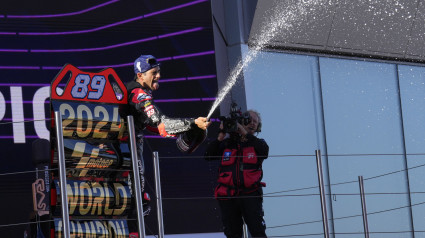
(345, 78)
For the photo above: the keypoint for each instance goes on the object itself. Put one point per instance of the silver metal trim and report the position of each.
(364, 212)
(136, 176)
(62, 175)
(245, 230)
(322, 194)
(158, 195)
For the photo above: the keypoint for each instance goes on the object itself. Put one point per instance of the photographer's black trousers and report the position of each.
(250, 208)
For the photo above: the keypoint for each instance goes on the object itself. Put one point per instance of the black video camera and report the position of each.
(230, 124)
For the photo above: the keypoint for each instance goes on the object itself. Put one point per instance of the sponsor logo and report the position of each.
(150, 110)
(177, 131)
(39, 197)
(86, 162)
(96, 228)
(47, 178)
(250, 156)
(143, 97)
(97, 198)
(154, 118)
(173, 125)
(99, 163)
(226, 156)
(147, 104)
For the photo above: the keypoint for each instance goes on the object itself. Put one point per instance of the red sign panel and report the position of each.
(104, 86)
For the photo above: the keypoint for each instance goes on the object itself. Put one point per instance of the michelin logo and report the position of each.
(227, 155)
(143, 96)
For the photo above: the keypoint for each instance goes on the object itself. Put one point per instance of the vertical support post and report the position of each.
(136, 176)
(158, 194)
(245, 230)
(62, 175)
(364, 212)
(322, 194)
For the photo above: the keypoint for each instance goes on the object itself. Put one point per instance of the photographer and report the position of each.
(239, 190)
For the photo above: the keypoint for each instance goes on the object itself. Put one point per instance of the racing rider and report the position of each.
(146, 114)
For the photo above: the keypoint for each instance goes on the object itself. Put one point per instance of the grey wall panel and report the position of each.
(220, 46)
(233, 22)
(248, 16)
(302, 24)
(416, 47)
(373, 26)
(217, 9)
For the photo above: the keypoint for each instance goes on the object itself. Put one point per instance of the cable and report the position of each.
(341, 183)
(5, 123)
(317, 234)
(147, 228)
(29, 171)
(418, 166)
(346, 217)
(349, 233)
(53, 169)
(348, 182)
(292, 195)
(25, 223)
(270, 193)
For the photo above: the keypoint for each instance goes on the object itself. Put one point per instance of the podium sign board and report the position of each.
(97, 154)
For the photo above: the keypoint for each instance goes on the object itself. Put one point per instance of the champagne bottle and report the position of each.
(190, 140)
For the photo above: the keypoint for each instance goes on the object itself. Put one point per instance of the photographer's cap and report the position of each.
(145, 63)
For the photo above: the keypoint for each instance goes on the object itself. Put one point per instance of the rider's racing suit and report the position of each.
(148, 116)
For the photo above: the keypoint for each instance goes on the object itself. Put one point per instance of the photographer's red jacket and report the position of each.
(240, 170)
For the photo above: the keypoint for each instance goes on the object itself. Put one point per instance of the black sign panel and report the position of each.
(39, 38)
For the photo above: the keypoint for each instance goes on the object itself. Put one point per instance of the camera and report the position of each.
(230, 124)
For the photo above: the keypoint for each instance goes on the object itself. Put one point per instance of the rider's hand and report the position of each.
(202, 122)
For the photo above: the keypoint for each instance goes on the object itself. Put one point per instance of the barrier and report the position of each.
(278, 194)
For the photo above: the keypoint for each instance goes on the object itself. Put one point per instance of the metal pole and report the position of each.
(136, 176)
(364, 213)
(158, 194)
(245, 230)
(322, 194)
(62, 175)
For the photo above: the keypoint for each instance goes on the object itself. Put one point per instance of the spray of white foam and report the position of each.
(281, 21)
